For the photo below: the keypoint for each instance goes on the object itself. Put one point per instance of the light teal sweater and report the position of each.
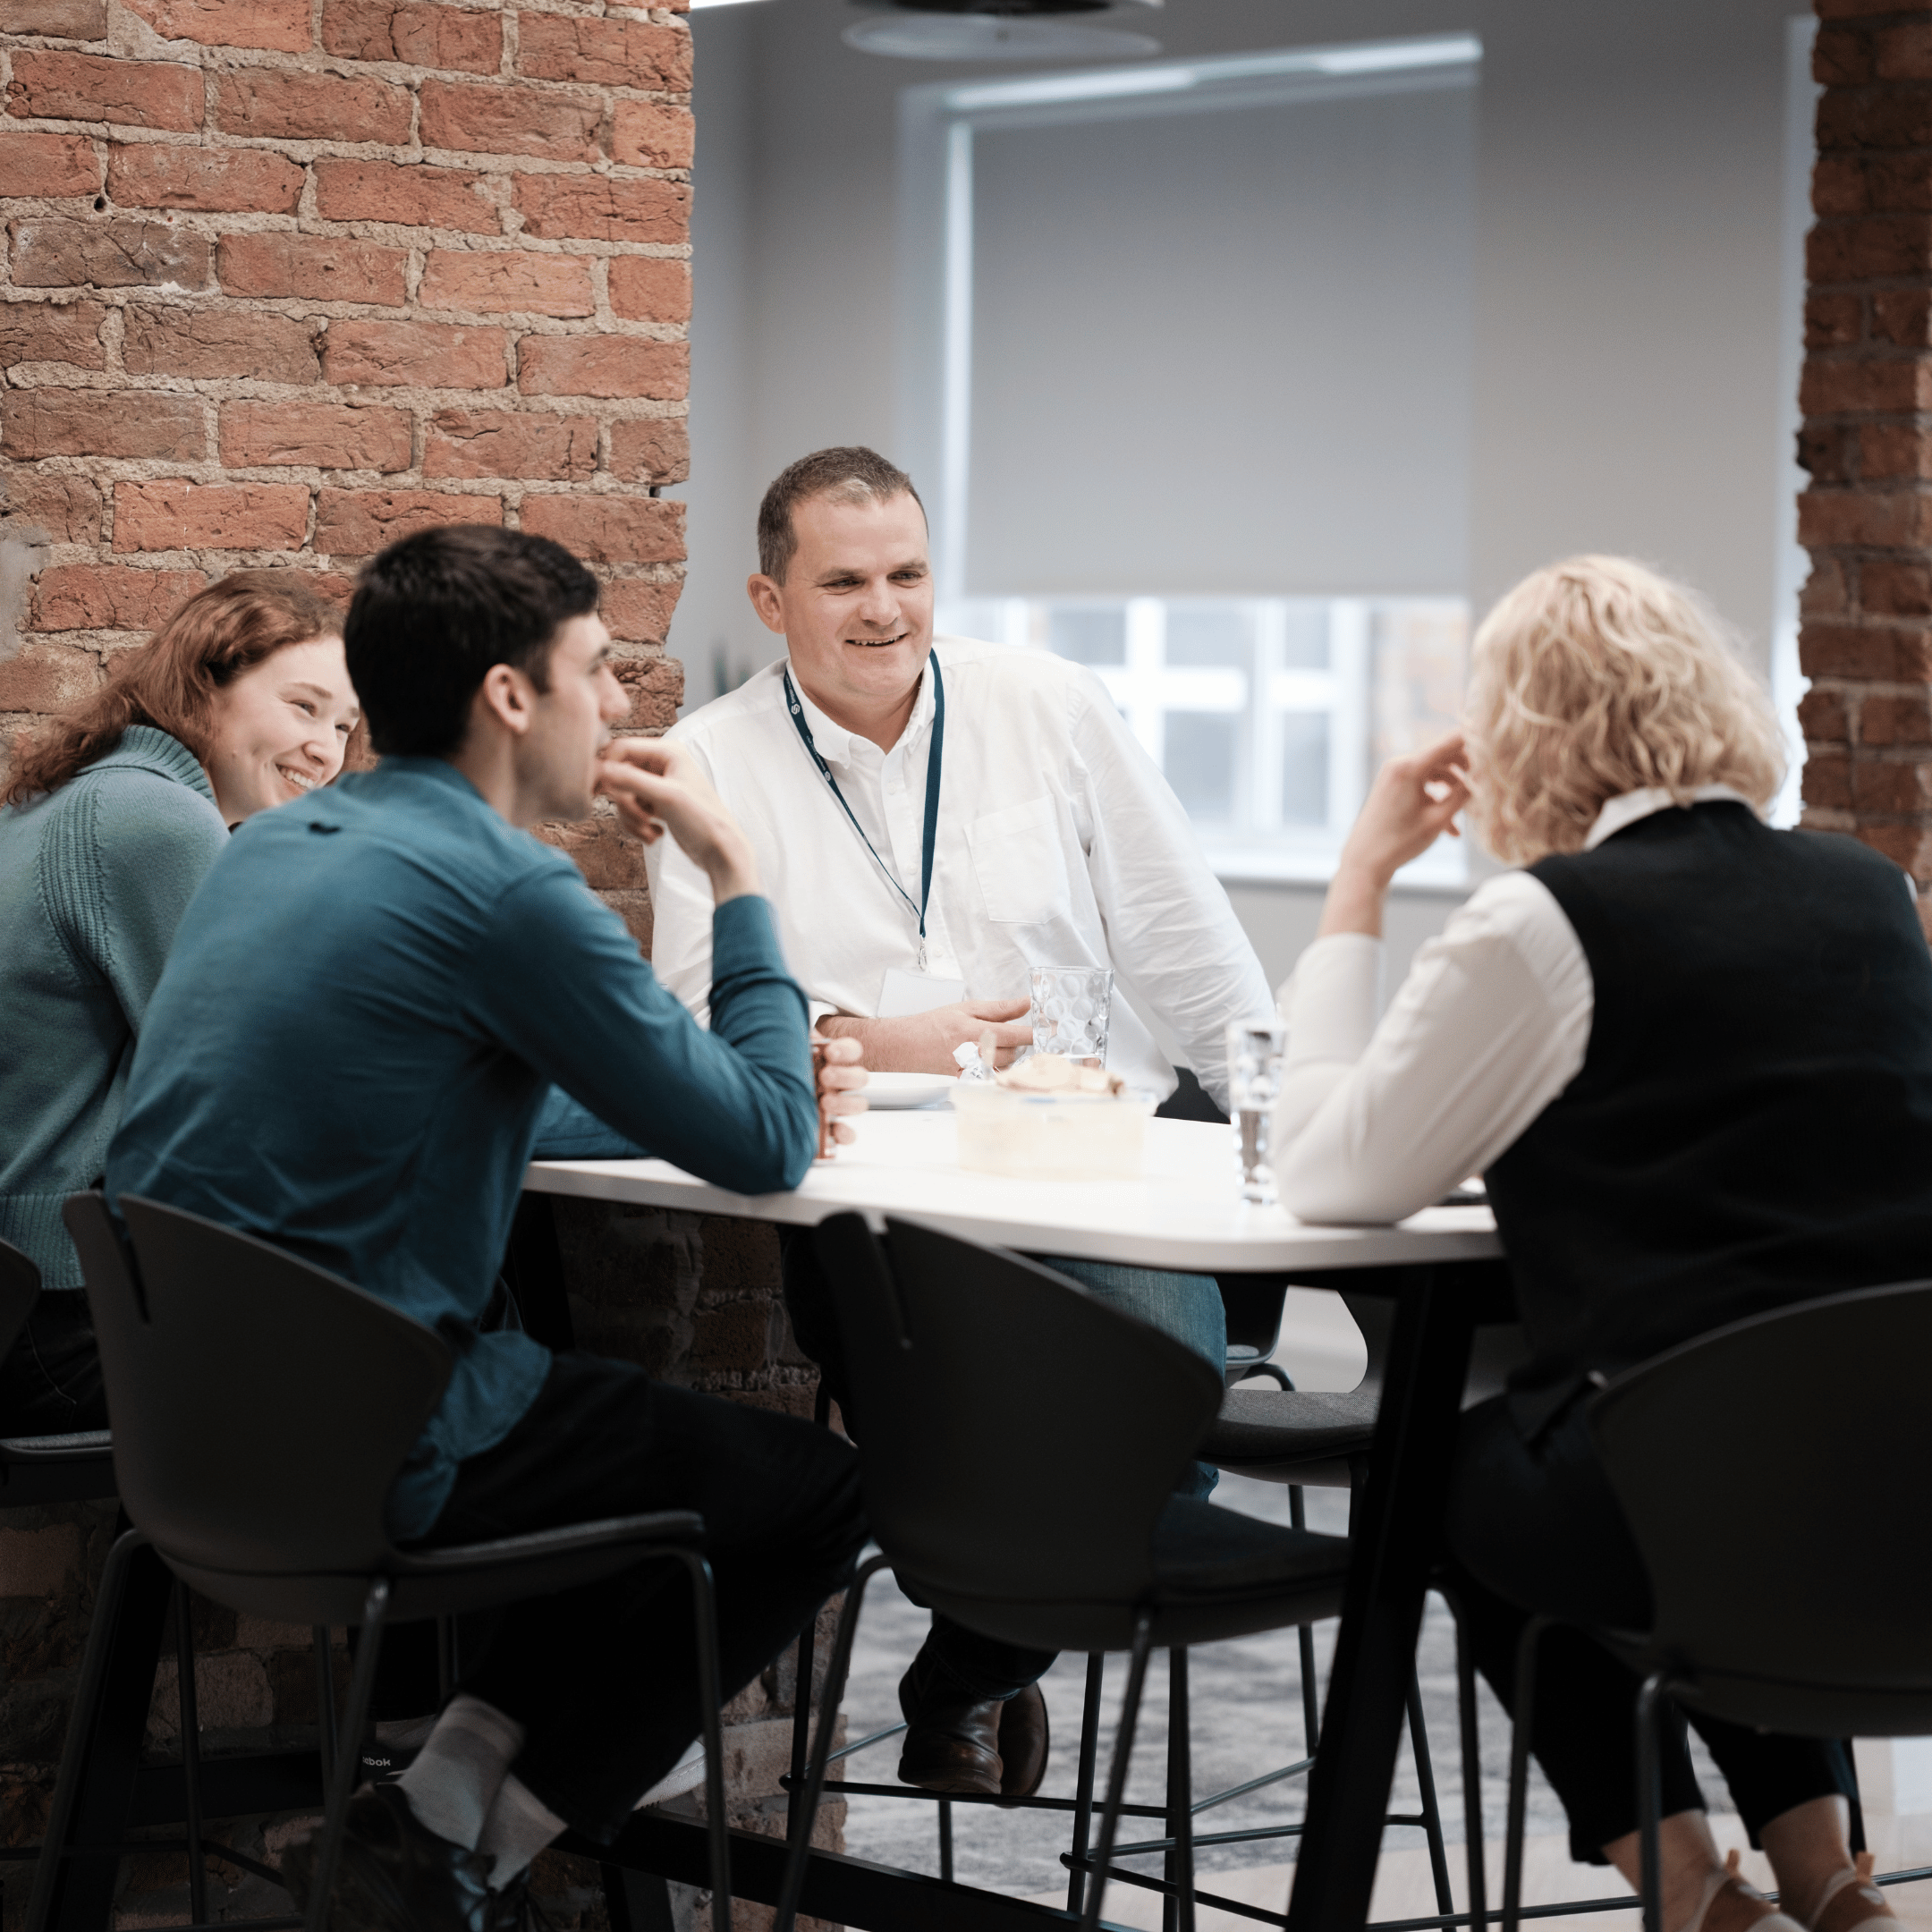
(94, 878)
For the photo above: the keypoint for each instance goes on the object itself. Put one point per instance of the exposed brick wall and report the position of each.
(1867, 440)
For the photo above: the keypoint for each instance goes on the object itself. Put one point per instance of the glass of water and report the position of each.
(1254, 1065)
(1071, 1004)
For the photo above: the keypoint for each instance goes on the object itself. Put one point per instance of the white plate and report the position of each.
(892, 1091)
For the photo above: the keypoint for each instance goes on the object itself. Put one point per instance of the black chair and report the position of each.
(1059, 1529)
(1760, 1451)
(72, 1468)
(268, 1497)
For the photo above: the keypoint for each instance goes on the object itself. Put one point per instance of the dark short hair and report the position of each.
(432, 614)
(853, 475)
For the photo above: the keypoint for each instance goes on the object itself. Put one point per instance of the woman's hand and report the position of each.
(1411, 803)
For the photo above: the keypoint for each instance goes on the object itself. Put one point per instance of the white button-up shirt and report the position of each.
(1059, 844)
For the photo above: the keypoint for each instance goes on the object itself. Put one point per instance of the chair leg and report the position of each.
(1425, 1771)
(348, 1752)
(801, 1698)
(1178, 1914)
(1519, 1770)
(324, 1675)
(944, 1809)
(1305, 1642)
(81, 1724)
(1089, 1752)
(828, 1710)
(1143, 1643)
(1473, 1806)
(711, 1701)
(1651, 1701)
(191, 1735)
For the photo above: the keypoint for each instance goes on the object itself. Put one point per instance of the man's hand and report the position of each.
(1411, 803)
(841, 1076)
(923, 1043)
(658, 788)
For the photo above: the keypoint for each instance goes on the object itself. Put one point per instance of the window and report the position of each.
(1187, 379)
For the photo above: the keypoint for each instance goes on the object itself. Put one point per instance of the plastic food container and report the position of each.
(1050, 1137)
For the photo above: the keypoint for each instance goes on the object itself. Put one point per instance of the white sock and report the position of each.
(519, 1827)
(458, 1773)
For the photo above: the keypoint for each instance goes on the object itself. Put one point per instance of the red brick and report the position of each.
(258, 101)
(415, 196)
(594, 208)
(465, 38)
(1874, 120)
(63, 20)
(100, 422)
(1841, 57)
(1895, 450)
(507, 282)
(91, 87)
(1825, 451)
(331, 269)
(1863, 249)
(608, 861)
(154, 175)
(1827, 783)
(1903, 52)
(430, 355)
(509, 120)
(1831, 388)
(1853, 9)
(1833, 321)
(63, 509)
(1824, 593)
(217, 341)
(171, 513)
(48, 164)
(325, 436)
(604, 53)
(280, 24)
(1895, 587)
(1838, 186)
(657, 688)
(509, 443)
(1821, 717)
(651, 288)
(650, 449)
(638, 609)
(603, 365)
(110, 597)
(1882, 786)
(1888, 721)
(649, 134)
(1904, 316)
(614, 529)
(50, 332)
(1860, 517)
(1906, 846)
(359, 523)
(41, 677)
(1903, 652)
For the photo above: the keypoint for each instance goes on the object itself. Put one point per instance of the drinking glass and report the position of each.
(1254, 1065)
(1070, 1010)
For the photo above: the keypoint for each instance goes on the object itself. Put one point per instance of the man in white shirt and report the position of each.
(935, 822)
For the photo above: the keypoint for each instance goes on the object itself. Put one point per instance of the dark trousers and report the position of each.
(604, 1678)
(1536, 1527)
(50, 1379)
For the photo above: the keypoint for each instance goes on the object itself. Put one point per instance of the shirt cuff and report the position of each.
(743, 939)
(1332, 1000)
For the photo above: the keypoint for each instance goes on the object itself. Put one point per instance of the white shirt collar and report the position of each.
(1627, 808)
(835, 743)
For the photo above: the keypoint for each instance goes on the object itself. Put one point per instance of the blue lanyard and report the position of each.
(932, 795)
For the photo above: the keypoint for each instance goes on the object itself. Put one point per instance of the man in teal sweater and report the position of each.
(347, 1056)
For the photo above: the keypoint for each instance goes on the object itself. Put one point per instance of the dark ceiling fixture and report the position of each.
(999, 29)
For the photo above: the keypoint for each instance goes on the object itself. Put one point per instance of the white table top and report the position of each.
(1182, 1213)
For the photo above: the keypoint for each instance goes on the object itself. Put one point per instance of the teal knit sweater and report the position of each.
(94, 878)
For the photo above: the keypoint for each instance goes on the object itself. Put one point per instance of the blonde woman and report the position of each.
(1693, 1057)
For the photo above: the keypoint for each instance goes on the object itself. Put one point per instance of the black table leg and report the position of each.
(1397, 1523)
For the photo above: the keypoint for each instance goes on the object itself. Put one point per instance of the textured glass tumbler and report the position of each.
(1070, 1010)
(1254, 1067)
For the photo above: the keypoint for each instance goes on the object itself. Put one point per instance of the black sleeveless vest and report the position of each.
(1752, 1124)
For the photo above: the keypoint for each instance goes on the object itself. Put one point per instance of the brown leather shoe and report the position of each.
(1023, 1740)
(952, 1741)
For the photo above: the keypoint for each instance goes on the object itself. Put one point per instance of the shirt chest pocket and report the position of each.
(1021, 863)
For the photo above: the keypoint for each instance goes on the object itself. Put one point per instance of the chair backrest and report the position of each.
(989, 1470)
(19, 1289)
(262, 1406)
(1777, 1475)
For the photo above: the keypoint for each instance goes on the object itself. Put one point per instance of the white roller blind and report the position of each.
(1223, 350)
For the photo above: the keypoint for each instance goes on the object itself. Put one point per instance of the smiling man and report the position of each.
(937, 816)
(363, 1013)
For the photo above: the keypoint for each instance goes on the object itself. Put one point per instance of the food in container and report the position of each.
(1050, 1118)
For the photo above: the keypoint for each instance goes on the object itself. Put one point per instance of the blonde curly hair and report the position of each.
(1597, 676)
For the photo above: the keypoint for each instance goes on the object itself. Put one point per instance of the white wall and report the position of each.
(1627, 367)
